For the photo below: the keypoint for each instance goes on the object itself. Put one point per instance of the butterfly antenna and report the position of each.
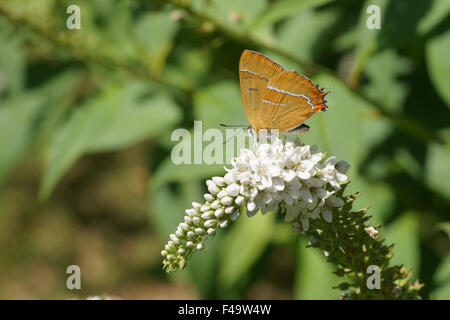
(234, 134)
(234, 125)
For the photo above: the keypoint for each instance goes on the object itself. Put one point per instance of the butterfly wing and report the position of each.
(288, 100)
(255, 72)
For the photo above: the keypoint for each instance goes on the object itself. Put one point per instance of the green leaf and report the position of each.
(243, 245)
(12, 62)
(445, 226)
(438, 63)
(379, 196)
(400, 20)
(314, 278)
(73, 139)
(307, 45)
(189, 68)
(442, 280)
(403, 233)
(285, 8)
(137, 118)
(113, 119)
(383, 71)
(236, 14)
(437, 173)
(156, 32)
(348, 128)
(366, 40)
(26, 118)
(438, 11)
(219, 103)
(16, 127)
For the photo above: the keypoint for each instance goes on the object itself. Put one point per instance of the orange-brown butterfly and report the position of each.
(276, 98)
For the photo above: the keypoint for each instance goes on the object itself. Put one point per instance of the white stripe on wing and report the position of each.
(274, 103)
(308, 100)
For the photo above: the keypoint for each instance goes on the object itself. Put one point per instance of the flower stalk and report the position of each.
(307, 188)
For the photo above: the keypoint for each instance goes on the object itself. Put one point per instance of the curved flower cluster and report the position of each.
(290, 177)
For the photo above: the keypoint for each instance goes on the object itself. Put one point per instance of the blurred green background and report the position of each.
(86, 118)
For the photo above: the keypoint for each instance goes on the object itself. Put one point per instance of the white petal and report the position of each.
(330, 161)
(212, 187)
(288, 175)
(342, 166)
(303, 174)
(266, 181)
(251, 213)
(305, 224)
(251, 206)
(335, 202)
(253, 193)
(229, 178)
(274, 170)
(335, 185)
(278, 184)
(327, 214)
(307, 165)
(233, 189)
(314, 182)
(267, 198)
(244, 191)
(287, 198)
(341, 177)
(315, 213)
(244, 177)
(306, 195)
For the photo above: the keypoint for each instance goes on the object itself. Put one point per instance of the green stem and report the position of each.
(353, 250)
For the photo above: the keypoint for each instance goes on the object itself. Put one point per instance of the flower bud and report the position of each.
(219, 181)
(224, 224)
(216, 204)
(239, 200)
(187, 219)
(222, 194)
(229, 210)
(210, 223)
(208, 215)
(227, 200)
(212, 187)
(199, 231)
(196, 205)
(342, 166)
(190, 234)
(233, 189)
(219, 213)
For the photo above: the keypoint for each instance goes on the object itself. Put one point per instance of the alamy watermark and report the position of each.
(212, 146)
(74, 20)
(74, 280)
(374, 20)
(374, 281)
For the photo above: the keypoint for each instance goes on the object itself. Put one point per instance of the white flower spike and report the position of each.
(280, 176)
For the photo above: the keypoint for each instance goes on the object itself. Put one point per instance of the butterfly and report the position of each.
(276, 98)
